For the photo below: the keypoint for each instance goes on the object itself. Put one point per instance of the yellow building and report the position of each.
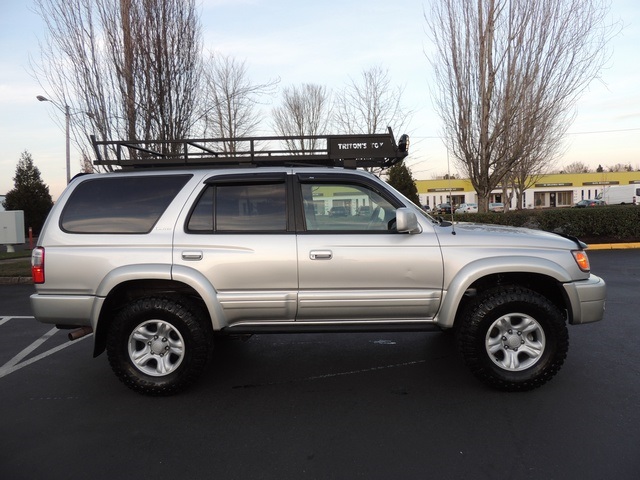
(554, 190)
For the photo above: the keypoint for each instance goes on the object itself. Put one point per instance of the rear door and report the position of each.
(357, 267)
(239, 235)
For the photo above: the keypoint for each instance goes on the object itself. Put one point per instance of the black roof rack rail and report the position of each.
(349, 151)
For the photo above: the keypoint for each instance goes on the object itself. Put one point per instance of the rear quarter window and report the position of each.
(120, 204)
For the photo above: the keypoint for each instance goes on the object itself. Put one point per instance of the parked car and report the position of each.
(467, 208)
(588, 202)
(496, 207)
(338, 212)
(157, 261)
(442, 208)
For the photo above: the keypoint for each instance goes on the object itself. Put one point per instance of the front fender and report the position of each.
(474, 271)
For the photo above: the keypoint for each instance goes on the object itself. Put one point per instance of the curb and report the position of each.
(15, 280)
(614, 246)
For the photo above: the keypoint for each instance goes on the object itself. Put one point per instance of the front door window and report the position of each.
(345, 207)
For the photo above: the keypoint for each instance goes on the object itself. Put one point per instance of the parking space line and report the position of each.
(4, 320)
(16, 362)
(4, 372)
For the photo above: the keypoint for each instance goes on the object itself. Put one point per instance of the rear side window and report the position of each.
(251, 207)
(120, 204)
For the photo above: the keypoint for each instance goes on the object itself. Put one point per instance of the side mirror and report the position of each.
(406, 221)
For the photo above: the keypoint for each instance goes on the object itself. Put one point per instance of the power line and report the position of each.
(604, 131)
(568, 133)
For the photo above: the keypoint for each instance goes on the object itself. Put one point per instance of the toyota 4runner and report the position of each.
(185, 242)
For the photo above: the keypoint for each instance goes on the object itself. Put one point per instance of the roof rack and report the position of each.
(349, 151)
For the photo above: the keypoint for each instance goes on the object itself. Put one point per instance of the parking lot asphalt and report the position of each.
(374, 406)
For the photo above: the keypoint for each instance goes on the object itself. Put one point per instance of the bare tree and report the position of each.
(507, 74)
(231, 100)
(576, 167)
(304, 111)
(127, 68)
(371, 105)
(620, 167)
(523, 175)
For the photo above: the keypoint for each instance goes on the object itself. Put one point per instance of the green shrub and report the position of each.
(615, 223)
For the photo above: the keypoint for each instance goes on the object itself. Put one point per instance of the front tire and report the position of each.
(158, 346)
(513, 338)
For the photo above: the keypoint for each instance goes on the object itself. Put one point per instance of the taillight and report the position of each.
(37, 265)
(582, 260)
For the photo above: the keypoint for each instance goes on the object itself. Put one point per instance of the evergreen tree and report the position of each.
(399, 177)
(29, 194)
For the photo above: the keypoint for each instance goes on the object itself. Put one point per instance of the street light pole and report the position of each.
(67, 119)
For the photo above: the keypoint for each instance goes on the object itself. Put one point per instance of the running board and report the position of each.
(308, 327)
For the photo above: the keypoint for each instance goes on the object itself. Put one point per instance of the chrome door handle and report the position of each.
(193, 255)
(320, 254)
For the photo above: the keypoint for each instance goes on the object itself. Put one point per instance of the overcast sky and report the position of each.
(326, 43)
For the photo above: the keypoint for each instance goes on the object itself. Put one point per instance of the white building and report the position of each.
(554, 190)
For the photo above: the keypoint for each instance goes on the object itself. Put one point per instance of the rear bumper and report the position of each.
(587, 299)
(68, 310)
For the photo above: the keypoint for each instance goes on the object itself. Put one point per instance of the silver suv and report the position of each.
(176, 248)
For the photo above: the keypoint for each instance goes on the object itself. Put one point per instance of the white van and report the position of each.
(621, 194)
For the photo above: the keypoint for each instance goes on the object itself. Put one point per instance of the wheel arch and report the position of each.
(537, 274)
(187, 283)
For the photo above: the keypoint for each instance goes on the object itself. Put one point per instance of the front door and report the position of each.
(355, 266)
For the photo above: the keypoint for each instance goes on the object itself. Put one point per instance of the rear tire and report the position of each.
(513, 338)
(158, 345)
